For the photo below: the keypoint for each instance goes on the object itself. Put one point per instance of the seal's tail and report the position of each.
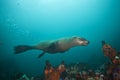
(22, 48)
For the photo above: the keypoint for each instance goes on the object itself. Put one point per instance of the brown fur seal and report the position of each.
(54, 46)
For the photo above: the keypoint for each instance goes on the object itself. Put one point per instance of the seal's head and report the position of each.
(80, 41)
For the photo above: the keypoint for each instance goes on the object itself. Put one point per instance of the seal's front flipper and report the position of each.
(41, 54)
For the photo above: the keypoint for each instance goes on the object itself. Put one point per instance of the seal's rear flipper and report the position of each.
(41, 54)
(22, 48)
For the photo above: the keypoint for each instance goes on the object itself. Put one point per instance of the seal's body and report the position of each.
(54, 46)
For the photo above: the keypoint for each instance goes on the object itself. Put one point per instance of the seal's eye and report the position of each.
(82, 39)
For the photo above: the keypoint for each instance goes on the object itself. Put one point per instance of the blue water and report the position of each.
(31, 21)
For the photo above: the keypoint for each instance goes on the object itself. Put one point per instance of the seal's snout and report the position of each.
(88, 42)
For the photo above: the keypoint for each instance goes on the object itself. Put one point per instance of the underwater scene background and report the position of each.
(32, 21)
